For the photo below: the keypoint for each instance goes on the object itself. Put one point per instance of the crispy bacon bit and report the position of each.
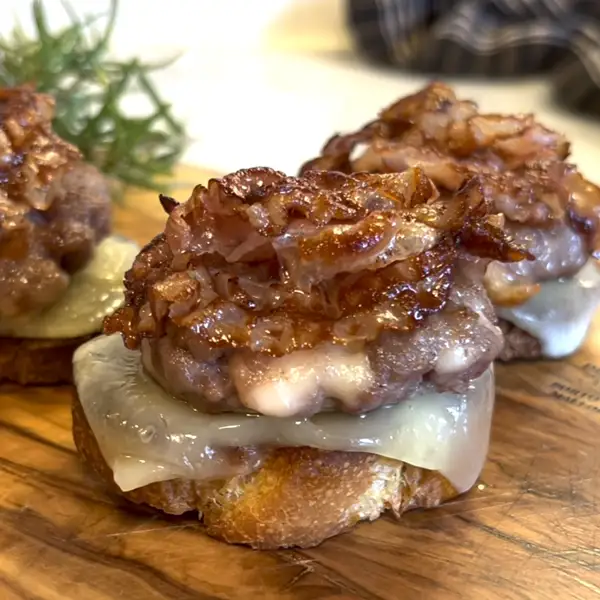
(46, 231)
(275, 264)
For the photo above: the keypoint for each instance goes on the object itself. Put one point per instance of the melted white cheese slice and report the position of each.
(94, 292)
(146, 435)
(560, 314)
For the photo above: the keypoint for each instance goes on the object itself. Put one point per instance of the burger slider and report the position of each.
(60, 270)
(298, 354)
(545, 305)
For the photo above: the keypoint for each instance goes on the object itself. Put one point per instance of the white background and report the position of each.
(265, 82)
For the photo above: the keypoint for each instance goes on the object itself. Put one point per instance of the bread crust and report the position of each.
(38, 362)
(299, 497)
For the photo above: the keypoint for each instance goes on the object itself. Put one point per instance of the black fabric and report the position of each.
(493, 38)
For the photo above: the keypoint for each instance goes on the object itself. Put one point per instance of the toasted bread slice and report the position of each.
(298, 497)
(38, 362)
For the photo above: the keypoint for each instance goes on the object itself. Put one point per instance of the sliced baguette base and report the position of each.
(299, 497)
(38, 362)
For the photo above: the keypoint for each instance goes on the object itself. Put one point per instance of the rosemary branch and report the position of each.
(72, 64)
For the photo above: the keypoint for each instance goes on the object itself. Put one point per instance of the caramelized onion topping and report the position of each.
(520, 162)
(274, 264)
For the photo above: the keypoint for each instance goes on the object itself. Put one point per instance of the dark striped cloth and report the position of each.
(493, 38)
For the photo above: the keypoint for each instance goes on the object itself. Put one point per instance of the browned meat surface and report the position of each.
(518, 344)
(260, 276)
(53, 207)
(559, 252)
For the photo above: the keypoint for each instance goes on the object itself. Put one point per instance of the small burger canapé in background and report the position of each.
(545, 305)
(60, 269)
(298, 354)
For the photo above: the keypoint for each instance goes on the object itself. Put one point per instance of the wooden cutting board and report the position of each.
(530, 530)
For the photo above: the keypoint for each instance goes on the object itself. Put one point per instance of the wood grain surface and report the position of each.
(530, 530)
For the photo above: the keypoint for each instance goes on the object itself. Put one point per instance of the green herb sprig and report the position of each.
(72, 64)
